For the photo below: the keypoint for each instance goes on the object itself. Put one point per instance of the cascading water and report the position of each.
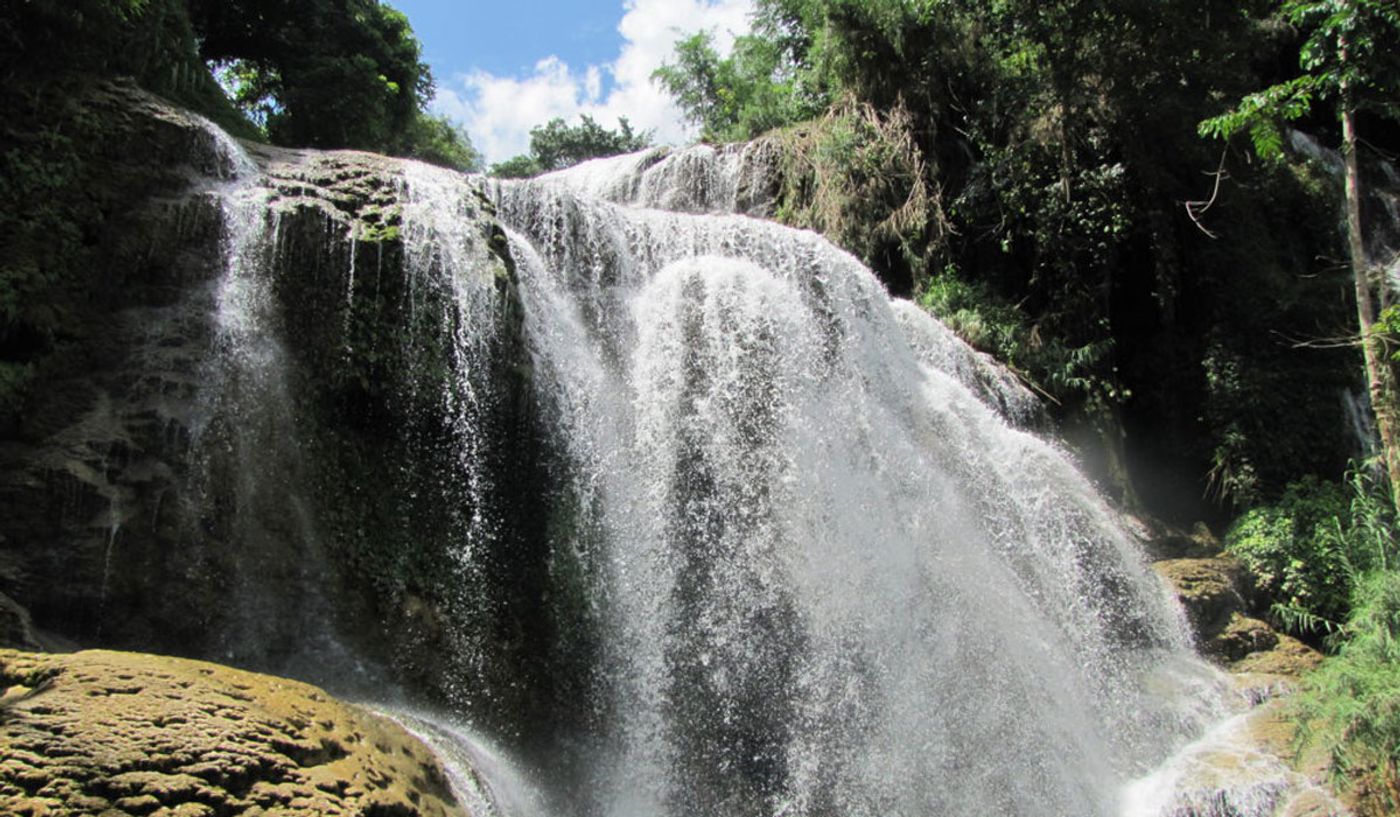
(802, 555)
(827, 577)
(249, 463)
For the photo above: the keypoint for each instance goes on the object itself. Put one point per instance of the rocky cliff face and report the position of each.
(253, 331)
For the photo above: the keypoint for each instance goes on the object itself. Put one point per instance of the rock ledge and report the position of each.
(114, 734)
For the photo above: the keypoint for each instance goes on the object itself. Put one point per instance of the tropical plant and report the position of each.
(1350, 706)
(328, 74)
(1309, 551)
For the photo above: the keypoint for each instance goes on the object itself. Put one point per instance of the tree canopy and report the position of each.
(318, 73)
(556, 145)
(306, 73)
(329, 74)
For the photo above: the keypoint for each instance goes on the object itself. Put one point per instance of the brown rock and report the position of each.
(1289, 657)
(1242, 636)
(1208, 589)
(130, 734)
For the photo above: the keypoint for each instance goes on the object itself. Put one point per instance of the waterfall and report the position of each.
(797, 549)
(830, 572)
(251, 503)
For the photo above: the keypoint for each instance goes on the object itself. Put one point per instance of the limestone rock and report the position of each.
(130, 734)
(1289, 658)
(1208, 589)
(1242, 636)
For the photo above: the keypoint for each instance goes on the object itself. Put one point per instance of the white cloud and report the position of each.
(499, 111)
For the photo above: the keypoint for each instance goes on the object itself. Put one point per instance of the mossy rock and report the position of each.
(1208, 589)
(130, 734)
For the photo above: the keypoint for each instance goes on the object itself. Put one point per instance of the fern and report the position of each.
(1258, 114)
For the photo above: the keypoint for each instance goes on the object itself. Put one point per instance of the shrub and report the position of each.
(1294, 550)
(1310, 550)
(1351, 705)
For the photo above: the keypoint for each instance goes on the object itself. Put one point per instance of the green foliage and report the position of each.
(556, 145)
(1258, 115)
(1387, 325)
(1351, 705)
(1349, 43)
(986, 321)
(326, 73)
(1295, 551)
(1040, 125)
(517, 167)
(150, 40)
(741, 96)
(439, 141)
(329, 74)
(1312, 549)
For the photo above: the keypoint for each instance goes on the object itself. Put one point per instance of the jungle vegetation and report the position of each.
(556, 145)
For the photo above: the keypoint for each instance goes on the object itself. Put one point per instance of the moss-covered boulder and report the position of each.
(131, 734)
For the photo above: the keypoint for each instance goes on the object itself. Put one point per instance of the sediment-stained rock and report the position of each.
(131, 734)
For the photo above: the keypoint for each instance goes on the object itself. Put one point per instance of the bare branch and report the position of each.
(1196, 209)
(1339, 342)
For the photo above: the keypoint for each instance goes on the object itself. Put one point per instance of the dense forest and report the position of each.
(1166, 217)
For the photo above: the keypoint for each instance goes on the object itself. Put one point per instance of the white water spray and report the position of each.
(836, 578)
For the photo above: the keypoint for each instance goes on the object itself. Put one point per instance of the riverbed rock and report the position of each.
(1209, 590)
(1288, 657)
(131, 734)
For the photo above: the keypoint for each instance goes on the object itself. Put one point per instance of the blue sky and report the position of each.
(504, 67)
(508, 38)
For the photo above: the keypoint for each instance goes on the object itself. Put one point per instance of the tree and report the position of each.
(557, 145)
(753, 90)
(1350, 58)
(517, 167)
(325, 73)
(438, 140)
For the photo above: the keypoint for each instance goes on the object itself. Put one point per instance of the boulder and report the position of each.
(1208, 589)
(131, 734)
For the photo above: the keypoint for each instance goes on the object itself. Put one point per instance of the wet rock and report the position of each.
(1241, 637)
(1246, 766)
(1242, 768)
(16, 628)
(131, 734)
(131, 518)
(1208, 589)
